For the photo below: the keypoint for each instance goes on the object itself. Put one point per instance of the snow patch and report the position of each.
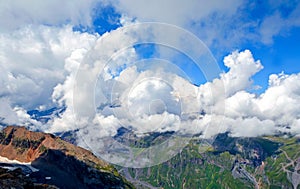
(8, 161)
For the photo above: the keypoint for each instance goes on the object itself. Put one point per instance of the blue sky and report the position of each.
(282, 56)
(278, 50)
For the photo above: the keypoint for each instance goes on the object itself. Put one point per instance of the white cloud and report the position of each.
(279, 102)
(251, 127)
(211, 21)
(152, 97)
(7, 114)
(63, 95)
(278, 24)
(242, 67)
(16, 14)
(275, 110)
(87, 69)
(247, 114)
(34, 57)
(34, 60)
(175, 12)
(42, 63)
(155, 100)
(221, 25)
(16, 115)
(237, 111)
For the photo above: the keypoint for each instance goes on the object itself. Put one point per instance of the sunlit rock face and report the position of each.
(46, 158)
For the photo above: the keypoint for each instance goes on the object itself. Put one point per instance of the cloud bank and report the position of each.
(53, 57)
(40, 55)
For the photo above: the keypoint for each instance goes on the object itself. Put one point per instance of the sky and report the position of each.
(187, 66)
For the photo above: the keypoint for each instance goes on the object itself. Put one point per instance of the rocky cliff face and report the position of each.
(59, 163)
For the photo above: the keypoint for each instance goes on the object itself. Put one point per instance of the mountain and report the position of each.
(230, 162)
(29, 158)
(45, 158)
(44, 116)
(17, 179)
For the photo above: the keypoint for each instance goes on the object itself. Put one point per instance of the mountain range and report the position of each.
(38, 160)
(267, 162)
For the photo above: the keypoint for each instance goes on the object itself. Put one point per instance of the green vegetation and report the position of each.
(219, 167)
(42, 149)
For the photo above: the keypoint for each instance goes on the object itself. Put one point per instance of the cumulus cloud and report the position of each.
(248, 114)
(144, 100)
(242, 67)
(84, 67)
(133, 95)
(154, 100)
(271, 112)
(36, 59)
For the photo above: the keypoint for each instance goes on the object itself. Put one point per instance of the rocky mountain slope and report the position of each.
(55, 161)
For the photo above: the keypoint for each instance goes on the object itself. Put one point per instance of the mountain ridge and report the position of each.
(58, 160)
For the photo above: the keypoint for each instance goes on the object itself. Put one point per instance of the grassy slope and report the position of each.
(192, 169)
